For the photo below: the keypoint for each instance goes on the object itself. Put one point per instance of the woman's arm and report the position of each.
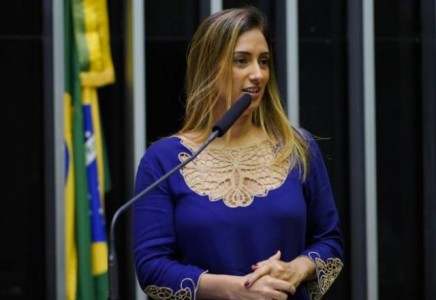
(321, 260)
(158, 268)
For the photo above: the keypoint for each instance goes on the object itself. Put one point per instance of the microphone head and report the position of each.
(232, 115)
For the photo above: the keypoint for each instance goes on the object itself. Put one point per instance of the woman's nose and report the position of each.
(256, 72)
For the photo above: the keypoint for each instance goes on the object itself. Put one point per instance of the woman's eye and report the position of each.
(264, 62)
(240, 61)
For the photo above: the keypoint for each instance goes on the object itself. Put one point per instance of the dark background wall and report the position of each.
(323, 111)
(324, 105)
(22, 254)
(399, 140)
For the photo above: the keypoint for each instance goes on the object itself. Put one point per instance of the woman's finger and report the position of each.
(258, 273)
(280, 286)
(283, 285)
(276, 256)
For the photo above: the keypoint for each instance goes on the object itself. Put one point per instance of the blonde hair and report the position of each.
(209, 62)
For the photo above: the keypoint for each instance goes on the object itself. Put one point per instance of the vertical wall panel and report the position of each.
(399, 140)
(323, 104)
(370, 125)
(359, 272)
(291, 76)
(363, 160)
(22, 250)
(428, 75)
(54, 149)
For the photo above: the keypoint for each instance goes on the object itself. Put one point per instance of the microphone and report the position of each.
(232, 115)
(218, 130)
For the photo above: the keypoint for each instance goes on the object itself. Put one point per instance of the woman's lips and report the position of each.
(252, 90)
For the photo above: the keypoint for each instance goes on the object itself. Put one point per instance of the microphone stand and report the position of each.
(112, 263)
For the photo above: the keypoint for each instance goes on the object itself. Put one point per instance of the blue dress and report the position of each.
(229, 209)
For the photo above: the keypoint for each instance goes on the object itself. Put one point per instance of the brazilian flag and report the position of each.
(88, 66)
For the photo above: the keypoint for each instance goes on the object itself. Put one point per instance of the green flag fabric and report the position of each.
(87, 67)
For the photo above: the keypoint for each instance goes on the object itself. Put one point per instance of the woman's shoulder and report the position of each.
(303, 133)
(162, 153)
(180, 142)
(164, 142)
(164, 146)
(309, 138)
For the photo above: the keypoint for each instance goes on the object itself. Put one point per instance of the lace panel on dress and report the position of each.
(234, 175)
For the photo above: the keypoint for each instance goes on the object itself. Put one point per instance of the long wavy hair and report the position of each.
(209, 63)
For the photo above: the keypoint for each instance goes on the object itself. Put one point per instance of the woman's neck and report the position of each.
(242, 133)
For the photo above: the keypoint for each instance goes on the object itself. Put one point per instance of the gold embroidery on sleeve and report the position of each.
(165, 293)
(327, 272)
(234, 175)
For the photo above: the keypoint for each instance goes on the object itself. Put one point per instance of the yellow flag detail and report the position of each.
(70, 243)
(101, 70)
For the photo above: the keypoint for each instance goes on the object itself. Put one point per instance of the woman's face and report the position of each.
(250, 71)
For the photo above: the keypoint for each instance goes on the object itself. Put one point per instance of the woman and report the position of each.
(253, 216)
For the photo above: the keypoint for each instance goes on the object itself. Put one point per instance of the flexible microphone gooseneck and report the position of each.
(218, 130)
